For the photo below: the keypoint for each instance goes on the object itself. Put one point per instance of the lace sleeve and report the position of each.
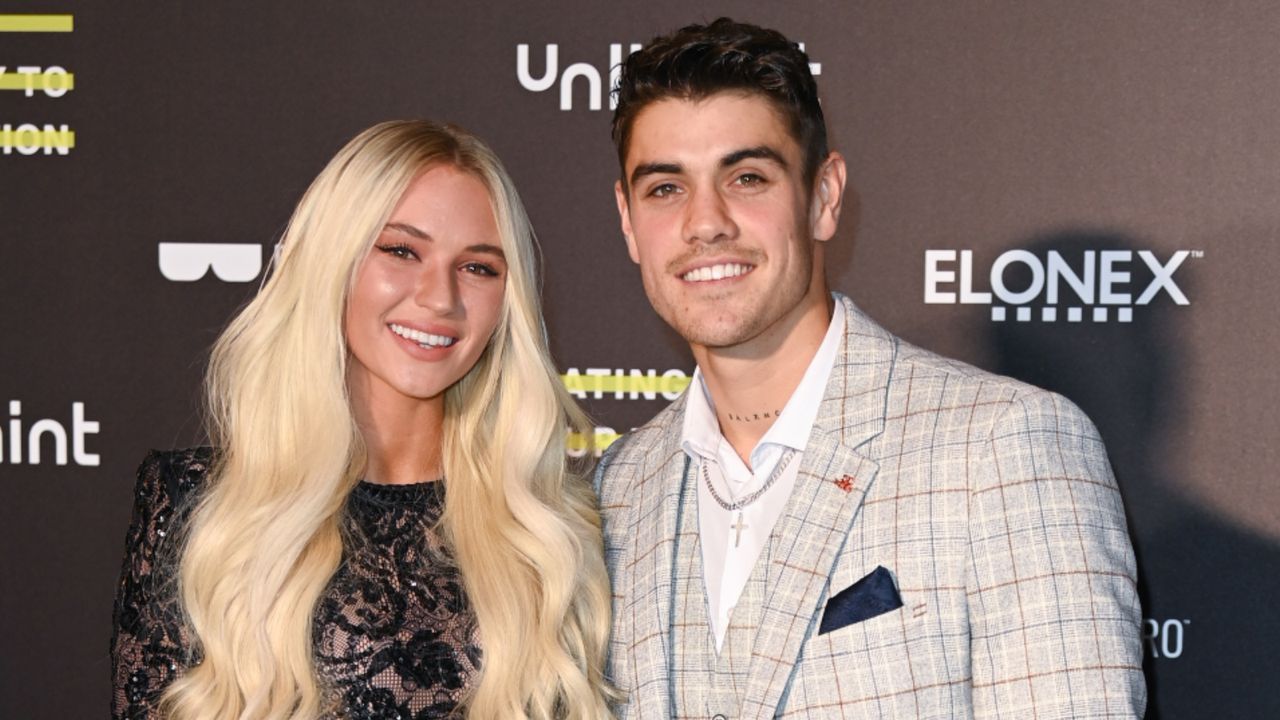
(148, 645)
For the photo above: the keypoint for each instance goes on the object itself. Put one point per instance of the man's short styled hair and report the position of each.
(698, 61)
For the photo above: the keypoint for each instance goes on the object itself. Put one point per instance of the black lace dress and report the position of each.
(394, 636)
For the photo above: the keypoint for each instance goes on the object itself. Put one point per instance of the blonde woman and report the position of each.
(386, 526)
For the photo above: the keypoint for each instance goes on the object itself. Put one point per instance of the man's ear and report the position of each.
(828, 194)
(624, 215)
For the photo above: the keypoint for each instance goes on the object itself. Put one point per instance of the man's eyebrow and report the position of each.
(655, 168)
(407, 230)
(759, 152)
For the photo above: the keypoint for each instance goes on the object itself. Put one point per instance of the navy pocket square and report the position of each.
(873, 595)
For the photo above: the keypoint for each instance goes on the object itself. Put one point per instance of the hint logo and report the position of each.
(588, 73)
(1102, 281)
(52, 431)
(230, 262)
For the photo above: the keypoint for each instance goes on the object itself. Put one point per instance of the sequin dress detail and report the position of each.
(393, 634)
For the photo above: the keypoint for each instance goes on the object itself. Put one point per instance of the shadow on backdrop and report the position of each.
(1207, 586)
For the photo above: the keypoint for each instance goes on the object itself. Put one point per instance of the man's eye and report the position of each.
(749, 180)
(404, 252)
(662, 190)
(479, 268)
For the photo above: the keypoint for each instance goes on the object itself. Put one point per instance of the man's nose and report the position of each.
(707, 218)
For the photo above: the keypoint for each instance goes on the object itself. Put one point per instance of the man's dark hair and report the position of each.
(698, 61)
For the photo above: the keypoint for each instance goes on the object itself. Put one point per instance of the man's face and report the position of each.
(721, 219)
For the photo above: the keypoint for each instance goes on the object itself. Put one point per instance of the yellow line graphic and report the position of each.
(624, 384)
(30, 139)
(36, 23)
(18, 81)
(577, 442)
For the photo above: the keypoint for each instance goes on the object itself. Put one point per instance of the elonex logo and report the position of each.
(1101, 281)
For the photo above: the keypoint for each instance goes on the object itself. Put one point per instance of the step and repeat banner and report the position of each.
(1084, 195)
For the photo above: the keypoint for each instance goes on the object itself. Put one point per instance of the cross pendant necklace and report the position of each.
(738, 504)
(738, 527)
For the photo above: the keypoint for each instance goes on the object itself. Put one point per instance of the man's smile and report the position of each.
(718, 271)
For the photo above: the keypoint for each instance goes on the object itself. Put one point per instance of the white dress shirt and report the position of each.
(727, 564)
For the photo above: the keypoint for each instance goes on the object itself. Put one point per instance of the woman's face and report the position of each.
(429, 294)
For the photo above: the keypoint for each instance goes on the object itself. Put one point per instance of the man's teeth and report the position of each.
(716, 272)
(423, 339)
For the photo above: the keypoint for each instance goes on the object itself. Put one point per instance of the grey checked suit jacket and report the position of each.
(990, 502)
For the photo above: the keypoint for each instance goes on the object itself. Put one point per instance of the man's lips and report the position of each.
(717, 271)
(423, 338)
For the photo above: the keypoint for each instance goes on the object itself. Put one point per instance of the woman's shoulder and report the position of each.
(172, 477)
(169, 484)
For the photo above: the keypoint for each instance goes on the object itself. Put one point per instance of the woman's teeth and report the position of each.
(423, 339)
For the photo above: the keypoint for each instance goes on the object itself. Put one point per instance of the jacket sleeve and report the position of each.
(1055, 620)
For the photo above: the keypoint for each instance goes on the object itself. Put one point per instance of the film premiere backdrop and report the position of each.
(1084, 195)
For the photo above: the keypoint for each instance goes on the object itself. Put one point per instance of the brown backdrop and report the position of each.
(1013, 131)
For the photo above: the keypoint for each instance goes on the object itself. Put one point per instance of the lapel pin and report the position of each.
(845, 483)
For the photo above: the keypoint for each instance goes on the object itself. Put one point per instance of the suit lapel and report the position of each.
(831, 484)
(654, 532)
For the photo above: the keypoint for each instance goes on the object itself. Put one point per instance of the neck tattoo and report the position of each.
(753, 417)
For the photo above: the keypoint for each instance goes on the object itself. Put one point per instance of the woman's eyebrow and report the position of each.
(407, 229)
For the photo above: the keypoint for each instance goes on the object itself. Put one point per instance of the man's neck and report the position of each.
(750, 384)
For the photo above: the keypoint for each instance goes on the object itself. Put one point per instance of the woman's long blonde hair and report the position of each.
(265, 539)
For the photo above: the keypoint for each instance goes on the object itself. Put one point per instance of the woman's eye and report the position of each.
(479, 268)
(404, 252)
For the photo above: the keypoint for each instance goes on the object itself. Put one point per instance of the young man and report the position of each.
(831, 522)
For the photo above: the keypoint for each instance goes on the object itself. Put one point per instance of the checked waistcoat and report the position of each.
(704, 684)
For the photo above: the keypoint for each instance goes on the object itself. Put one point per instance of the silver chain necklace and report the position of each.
(739, 503)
